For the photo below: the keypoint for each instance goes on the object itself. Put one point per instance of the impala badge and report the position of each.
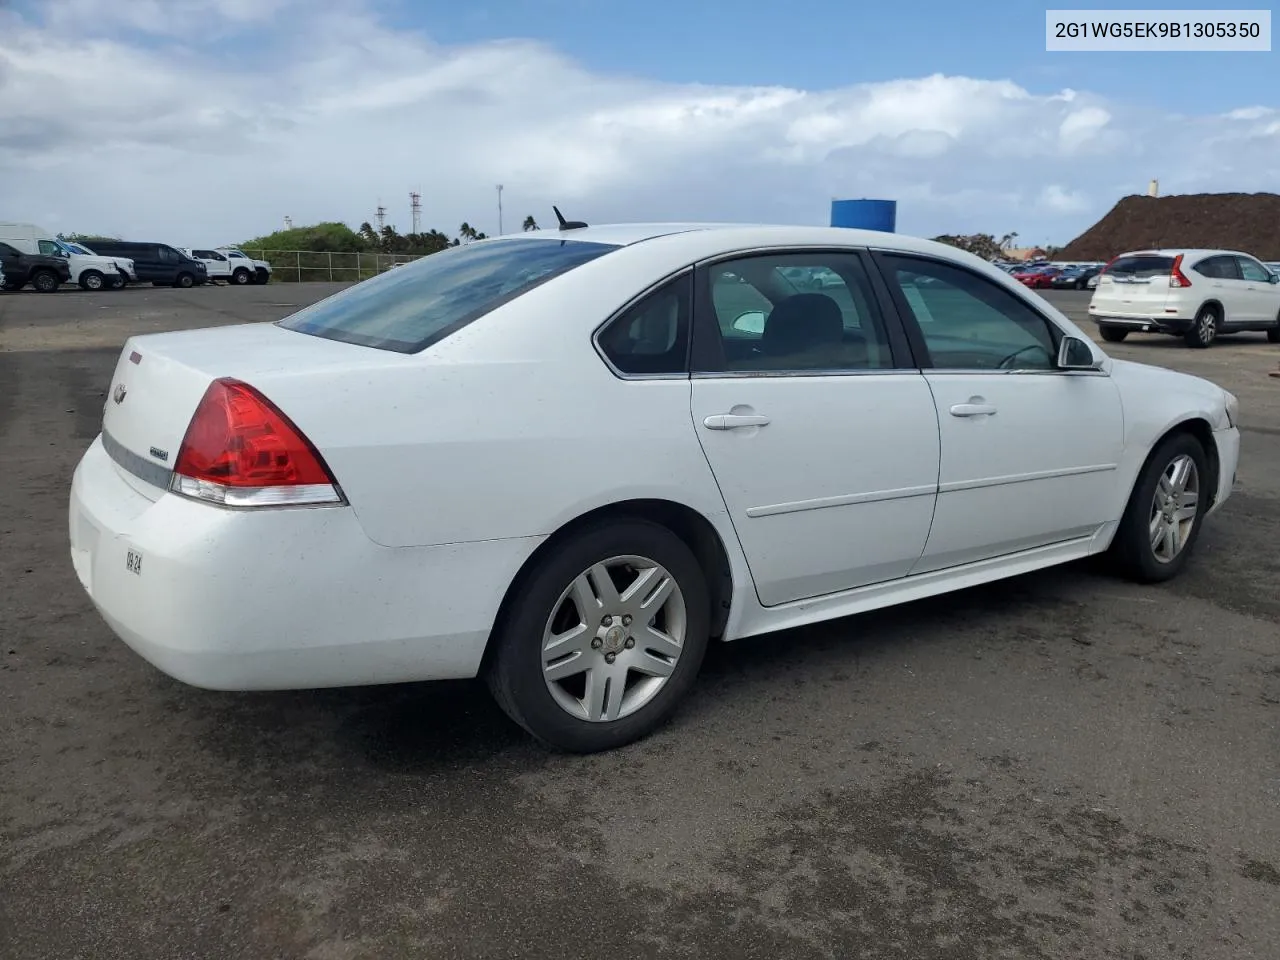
(120, 393)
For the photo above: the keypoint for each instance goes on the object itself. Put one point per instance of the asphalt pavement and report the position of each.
(1062, 765)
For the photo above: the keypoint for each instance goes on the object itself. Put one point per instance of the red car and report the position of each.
(1038, 278)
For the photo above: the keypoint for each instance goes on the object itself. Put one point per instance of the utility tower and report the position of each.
(381, 217)
(499, 209)
(415, 209)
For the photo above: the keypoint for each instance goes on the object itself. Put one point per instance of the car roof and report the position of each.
(734, 236)
(1183, 251)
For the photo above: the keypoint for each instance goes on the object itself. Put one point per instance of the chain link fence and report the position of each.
(298, 266)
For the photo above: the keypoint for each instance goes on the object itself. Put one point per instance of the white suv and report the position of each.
(1194, 294)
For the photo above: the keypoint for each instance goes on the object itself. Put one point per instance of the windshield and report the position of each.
(80, 248)
(409, 309)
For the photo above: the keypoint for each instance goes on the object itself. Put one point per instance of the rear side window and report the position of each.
(1218, 268)
(1141, 267)
(421, 303)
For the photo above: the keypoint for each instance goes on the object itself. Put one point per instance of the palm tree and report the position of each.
(467, 232)
(529, 224)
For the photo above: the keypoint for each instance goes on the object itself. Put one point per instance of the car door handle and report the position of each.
(729, 421)
(973, 409)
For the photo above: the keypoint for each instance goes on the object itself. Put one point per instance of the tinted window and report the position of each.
(969, 322)
(408, 309)
(48, 248)
(1141, 267)
(793, 312)
(653, 335)
(1252, 270)
(1218, 268)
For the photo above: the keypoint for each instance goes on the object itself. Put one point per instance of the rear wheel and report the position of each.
(1162, 520)
(1204, 329)
(1113, 334)
(604, 639)
(45, 281)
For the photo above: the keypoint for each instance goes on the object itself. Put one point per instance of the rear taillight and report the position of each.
(240, 450)
(1176, 277)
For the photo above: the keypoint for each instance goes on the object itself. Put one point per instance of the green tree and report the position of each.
(529, 224)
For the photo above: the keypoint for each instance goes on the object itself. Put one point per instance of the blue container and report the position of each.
(865, 214)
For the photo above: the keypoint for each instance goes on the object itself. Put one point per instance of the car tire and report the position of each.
(118, 283)
(261, 277)
(1080, 284)
(241, 277)
(92, 280)
(184, 280)
(1113, 334)
(1135, 549)
(562, 594)
(45, 281)
(1273, 335)
(1204, 328)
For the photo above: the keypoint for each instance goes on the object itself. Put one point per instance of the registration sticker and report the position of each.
(133, 562)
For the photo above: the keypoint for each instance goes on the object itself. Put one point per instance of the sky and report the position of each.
(202, 122)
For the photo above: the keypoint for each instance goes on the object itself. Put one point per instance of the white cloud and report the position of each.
(122, 118)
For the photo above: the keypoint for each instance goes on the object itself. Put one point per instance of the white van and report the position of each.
(91, 272)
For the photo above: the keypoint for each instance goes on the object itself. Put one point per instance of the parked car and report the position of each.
(1073, 278)
(44, 273)
(557, 461)
(1193, 294)
(1037, 278)
(157, 263)
(244, 269)
(126, 273)
(89, 271)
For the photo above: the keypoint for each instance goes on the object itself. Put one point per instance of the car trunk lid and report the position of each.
(160, 379)
(1136, 285)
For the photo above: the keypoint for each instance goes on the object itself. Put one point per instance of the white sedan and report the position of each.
(567, 460)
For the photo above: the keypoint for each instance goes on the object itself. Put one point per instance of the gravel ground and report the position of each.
(1061, 765)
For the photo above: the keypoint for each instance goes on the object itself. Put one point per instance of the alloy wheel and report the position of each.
(1174, 508)
(614, 638)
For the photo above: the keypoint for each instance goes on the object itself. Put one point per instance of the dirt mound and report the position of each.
(1234, 221)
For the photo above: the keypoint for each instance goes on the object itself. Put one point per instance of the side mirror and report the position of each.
(1273, 279)
(1075, 354)
(750, 322)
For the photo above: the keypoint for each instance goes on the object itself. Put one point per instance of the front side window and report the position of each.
(652, 336)
(409, 309)
(1252, 270)
(50, 248)
(792, 312)
(967, 321)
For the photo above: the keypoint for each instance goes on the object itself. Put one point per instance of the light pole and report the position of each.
(499, 209)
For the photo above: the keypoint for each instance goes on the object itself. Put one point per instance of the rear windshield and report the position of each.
(1141, 267)
(409, 308)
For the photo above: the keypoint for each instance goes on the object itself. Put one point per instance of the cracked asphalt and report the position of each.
(1059, 766)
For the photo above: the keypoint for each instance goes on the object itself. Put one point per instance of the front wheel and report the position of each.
(240, 277)
(1113, 334)
(45, 281)
(118, 282)
(604, 639)
(1273, 335)
(92, 280)
(1162, 520)
(184, 280)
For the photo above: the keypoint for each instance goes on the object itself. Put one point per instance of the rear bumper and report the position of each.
(1144, 324)
(278, 599)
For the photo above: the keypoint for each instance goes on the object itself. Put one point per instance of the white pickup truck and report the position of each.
(231, 265)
